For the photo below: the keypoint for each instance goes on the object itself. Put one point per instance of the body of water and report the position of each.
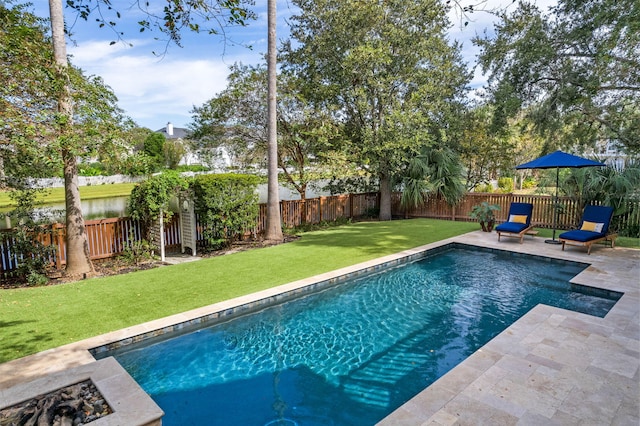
(353, 353)
(117, 206)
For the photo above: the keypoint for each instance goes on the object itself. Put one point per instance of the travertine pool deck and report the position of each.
(550, 367)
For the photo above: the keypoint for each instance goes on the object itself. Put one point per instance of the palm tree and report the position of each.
(436, 171)
(273, 231)
(613, 186)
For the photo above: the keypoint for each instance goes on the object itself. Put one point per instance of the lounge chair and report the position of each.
(593, 228)
(518, 223)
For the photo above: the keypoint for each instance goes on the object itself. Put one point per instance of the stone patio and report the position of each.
(550, 367)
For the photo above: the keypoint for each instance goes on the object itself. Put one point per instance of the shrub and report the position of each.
(192, 168)
(32, 256)
(227, 205)
(151, 197)
(138, 251)
(93, 169)
(505, 184)
(483, 188)
(529, 183)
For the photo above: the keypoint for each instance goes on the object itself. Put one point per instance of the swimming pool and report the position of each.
(352, 353)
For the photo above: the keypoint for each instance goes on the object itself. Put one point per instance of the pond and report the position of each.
(100, 208)
(117, 206)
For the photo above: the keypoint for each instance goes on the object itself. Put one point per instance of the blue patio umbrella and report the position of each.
(557, 160)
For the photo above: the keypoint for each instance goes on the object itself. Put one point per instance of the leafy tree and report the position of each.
(138, 164)
(39, 128)
(209, 16)
(523, 140)
(24, 60)
(387, 71)
(116, 158)
(176, 16)
(482, 150)
(236, 119)
(576, 70)
(173, 151)
(154, 148)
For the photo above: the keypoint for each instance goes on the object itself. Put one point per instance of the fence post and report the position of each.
(157, 234)
(59, 242)
(350, 206)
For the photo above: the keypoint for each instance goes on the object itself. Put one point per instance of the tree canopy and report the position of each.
(385, 70)
(236, 119)
(30, 146)
(576, 70)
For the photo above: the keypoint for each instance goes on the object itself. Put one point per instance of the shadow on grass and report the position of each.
(15, 342)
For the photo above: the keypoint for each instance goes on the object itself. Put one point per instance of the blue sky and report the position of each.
(154, 90)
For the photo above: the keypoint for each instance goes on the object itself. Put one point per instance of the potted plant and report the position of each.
(483, 212)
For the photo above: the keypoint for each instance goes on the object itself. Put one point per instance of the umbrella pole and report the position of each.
(555, 210)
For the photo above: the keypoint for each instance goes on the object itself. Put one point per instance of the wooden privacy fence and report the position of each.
(569, 211)
(110, 237)
(106, 238)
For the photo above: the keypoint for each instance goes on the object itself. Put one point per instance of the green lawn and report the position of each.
(35, 319)
(56, 195)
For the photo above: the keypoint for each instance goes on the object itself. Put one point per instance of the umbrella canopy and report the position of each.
(556, 160)
(559, 159)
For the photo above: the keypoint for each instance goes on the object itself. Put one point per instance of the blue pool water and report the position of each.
(353, 353)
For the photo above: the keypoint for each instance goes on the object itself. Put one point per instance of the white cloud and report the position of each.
(154, 90)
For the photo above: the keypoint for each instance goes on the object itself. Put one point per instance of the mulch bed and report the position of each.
(119, 265)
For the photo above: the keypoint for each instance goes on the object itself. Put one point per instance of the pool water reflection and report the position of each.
(353, 353)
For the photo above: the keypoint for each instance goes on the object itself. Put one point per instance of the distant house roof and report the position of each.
(171, 132)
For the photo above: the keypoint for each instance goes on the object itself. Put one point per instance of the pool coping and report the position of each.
(475, 389)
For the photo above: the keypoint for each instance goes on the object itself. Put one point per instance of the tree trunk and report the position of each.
(303, 198)
(3, 177)
(385, 195)
(77, 244)
(78, 260)
(273, 232)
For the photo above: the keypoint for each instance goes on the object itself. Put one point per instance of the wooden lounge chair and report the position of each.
(594, 227)
(518, 223)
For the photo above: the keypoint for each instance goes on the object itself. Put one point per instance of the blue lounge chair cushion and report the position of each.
(594, 214)
(581, 236)
(593, 217)
(517, 210)
(514, 227)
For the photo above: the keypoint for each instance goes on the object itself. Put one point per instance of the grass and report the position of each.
(56, 195)
(35, 319)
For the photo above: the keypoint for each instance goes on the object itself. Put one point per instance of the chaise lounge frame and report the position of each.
(580, 238)
(505, 229)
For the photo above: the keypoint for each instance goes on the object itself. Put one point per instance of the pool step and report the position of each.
(374, 382)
